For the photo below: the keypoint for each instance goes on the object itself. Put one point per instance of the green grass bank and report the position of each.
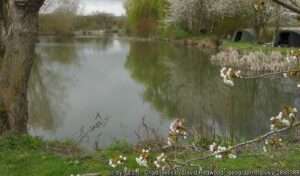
(25, 155)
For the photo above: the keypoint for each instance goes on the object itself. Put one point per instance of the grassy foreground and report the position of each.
(25, 155)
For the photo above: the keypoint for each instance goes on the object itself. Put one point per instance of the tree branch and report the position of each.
(258, 139)
(287, 6)
(269, 74)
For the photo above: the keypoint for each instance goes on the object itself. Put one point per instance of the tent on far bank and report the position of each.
(244, 35)
(288, 37)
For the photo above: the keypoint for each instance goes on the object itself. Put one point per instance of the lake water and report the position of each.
(125, 81)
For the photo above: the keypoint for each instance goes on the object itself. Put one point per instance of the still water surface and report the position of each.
(125, 81)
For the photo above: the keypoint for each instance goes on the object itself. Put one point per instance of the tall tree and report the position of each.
(19, 28)
(144, 16)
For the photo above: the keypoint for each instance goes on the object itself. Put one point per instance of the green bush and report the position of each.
(174, 32)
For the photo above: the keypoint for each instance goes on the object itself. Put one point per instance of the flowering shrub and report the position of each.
(284, 118)
(221, 152)
(228, 74)
(160, 162)
(176, 131)
(115, 162)
(142, 160)
(293, 56)
(272, 143)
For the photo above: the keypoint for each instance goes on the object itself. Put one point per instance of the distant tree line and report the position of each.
(178, 18)
(64, 18)
(62, 22)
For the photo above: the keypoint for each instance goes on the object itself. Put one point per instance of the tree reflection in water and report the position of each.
(74, 80)
(181, 82)
(47, 87)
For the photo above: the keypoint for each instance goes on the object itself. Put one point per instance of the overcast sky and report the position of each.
(110, 6)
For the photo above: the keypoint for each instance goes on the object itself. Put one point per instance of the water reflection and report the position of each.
(182, 82)
(74, 80)
(48, 85)
(75, 86)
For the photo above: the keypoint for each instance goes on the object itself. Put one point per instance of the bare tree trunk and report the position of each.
(1, 29)
(18, 36)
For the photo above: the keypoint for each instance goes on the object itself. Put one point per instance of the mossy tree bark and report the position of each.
(18, 35)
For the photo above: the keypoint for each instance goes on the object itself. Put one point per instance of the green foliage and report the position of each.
(26, 155)
(122, 146)
(144, 16)
(99, 20)
(286, 159)
(12, 142)
(229, 25)
(60, 22)
(174, 32)
(66, 23)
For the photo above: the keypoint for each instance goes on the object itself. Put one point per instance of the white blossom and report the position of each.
(219, 156)
(279, 116)
(160, 162)
(283, 119)
(142, 162)
(286, 122)
(222, 72)
(170, 141)
(272, 127)
(228, 74)
(116, 162)
(221, 148)
(229, 82)
(238, 74)
(212, 147)
(267, 142)
(221, 151)
(232, 156)
(295, 110)
(176, 130)
(265, 149)
(292, 115)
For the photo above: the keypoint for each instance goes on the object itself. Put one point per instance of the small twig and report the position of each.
(258, 139)
(99, 123)
(268, 74)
